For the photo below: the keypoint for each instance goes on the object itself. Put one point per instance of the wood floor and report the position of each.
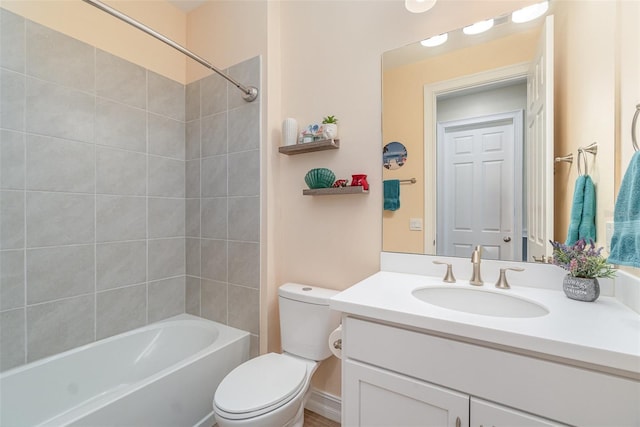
(311, 419)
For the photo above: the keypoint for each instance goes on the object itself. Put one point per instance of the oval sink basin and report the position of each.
(481, 302)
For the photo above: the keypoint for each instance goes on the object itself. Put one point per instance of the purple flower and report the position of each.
(582, 259)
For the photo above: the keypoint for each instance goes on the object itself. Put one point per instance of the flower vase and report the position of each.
(581, 288)
(330, 130)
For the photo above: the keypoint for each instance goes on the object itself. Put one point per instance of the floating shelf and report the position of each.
(308, 147)
(335, 191)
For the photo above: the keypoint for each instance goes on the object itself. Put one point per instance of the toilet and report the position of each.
(271, 390)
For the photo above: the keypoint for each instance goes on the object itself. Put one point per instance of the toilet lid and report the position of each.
(260, 383)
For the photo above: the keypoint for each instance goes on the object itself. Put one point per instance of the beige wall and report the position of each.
(226, 33)
(403, 120)
(331, 64)
(585, 92)
(90, 25)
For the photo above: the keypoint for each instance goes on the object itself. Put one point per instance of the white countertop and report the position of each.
(604, 333)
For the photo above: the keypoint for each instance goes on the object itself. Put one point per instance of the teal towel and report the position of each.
(625, 242)
(391, 194)
(576, 211)
(587, 230)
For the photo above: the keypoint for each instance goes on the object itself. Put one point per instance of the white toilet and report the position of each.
(271, 390)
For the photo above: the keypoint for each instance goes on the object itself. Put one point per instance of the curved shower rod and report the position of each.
(250, 93)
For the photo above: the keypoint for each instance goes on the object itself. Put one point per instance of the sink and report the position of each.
(477, 301)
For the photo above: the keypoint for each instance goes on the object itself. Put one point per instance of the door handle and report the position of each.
(458, 422)
(507, 239)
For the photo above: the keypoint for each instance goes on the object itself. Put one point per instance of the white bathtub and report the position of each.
(164, 374)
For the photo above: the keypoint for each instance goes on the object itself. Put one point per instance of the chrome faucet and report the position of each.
(475, 260)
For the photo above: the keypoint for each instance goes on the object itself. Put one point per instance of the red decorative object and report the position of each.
(340, 183)
(360, 180)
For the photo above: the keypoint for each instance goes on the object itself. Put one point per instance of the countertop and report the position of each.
(603, 335)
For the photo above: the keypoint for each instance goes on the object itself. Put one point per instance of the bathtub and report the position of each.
(164, 374)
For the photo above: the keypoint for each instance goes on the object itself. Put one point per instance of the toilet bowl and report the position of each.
(267, 391)
(271, 390)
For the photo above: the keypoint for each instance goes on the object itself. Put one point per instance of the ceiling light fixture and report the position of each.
(435, 40)
(530, 13)
(478, 27)
(418, 6)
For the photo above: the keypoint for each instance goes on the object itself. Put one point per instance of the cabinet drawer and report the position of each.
(560, 392)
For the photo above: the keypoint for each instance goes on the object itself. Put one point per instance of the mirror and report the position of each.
(483, 166)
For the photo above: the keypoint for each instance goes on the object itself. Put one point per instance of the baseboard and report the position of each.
(325, 404)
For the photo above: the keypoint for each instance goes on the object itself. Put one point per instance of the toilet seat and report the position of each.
(259, 386)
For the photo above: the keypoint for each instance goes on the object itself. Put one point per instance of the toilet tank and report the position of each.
(306, 320)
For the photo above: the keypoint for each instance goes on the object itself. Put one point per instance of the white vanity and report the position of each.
(408, 362)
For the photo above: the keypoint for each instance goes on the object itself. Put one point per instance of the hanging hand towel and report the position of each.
(391, 194)
(576, 211)
(587, 228)
(625, 242)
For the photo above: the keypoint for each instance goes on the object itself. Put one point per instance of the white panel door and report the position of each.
(539, 147)
(374, 397)
(482, 204)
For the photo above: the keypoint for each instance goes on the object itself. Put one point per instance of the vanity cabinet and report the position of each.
(398, 376)
(380, 397)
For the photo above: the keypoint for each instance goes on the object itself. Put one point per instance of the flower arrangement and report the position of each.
(582, 260)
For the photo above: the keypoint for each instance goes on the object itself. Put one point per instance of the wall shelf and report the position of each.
(308, 147)
(335, 191)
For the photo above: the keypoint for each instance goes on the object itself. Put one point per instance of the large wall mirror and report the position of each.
(482, 118)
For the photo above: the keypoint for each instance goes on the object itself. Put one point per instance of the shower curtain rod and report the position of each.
(249, 93)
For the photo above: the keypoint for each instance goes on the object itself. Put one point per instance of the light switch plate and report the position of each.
(415, 224)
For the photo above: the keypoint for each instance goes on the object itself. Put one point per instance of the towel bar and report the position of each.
(591, 149)
(567, 159)
(410, 181)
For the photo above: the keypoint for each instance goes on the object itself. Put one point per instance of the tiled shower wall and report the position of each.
(223, 200)
(92, 207)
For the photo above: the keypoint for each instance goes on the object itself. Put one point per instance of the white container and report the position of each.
(289, 131)
(330, 130)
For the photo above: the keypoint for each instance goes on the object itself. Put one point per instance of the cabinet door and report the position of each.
(374, 397)
(487, 414)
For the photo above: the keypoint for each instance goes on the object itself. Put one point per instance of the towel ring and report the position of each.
(634, 122)
(584, 162)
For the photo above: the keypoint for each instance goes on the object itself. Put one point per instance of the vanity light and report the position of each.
(478, 27)
(419, 6)
(530, 13)
(435, 40)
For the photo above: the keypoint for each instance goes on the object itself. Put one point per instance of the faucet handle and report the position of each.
(502, 280)
(448, 277)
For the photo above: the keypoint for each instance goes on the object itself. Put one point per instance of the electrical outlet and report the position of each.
(415, 224)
